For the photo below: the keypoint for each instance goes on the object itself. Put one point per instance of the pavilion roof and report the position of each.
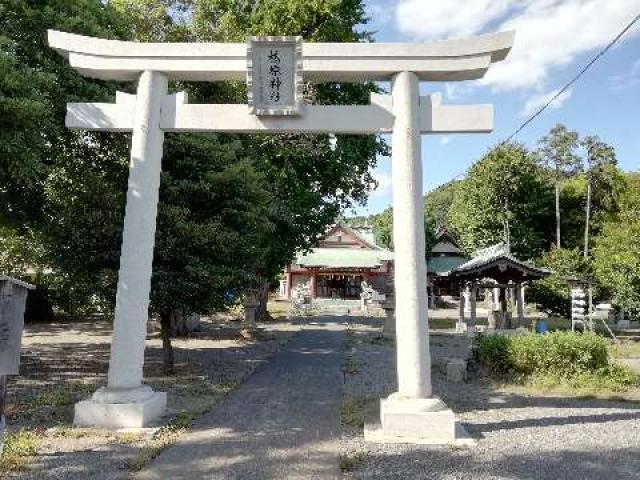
(442, 265)
(498, 263)
(343, 258)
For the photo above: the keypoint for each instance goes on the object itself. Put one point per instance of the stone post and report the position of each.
(472, 317)
(496, 298)
(126, 402)
(460, 324)
(411, 413)
(492, 302)
(313, 285)
(467, 299)
(520, 304)
(389, 307)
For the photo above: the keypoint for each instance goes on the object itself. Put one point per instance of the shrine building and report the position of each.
(446, 255)
(345, 257)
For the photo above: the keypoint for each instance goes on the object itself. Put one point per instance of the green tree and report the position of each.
(505, 197)
(616, 261)
(311, 178)
(552, 293)
(557, 153)
(383, 231)
(212, 215)
(599, 155)
(35, 85)
(437, 203)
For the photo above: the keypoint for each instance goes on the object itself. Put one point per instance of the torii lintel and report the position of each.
(449, 60)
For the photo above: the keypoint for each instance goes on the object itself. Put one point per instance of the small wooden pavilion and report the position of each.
(502, 276)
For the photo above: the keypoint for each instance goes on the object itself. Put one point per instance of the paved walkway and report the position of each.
(282, 423)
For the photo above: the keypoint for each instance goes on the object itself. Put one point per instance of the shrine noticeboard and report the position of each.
(274, 75)
(13, 297)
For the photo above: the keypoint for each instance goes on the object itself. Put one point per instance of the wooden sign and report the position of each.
(13, 297)
(274, 75)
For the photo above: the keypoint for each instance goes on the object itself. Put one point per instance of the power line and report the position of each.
(574, 79)
(564, 89)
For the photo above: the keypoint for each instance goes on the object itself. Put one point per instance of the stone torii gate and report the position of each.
(411, 414)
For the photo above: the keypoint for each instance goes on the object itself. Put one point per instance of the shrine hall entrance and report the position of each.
(339, 286)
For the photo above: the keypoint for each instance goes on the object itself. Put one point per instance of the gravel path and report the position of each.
(283, 422)
(519, 436)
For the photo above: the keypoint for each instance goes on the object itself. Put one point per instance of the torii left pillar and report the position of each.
(125, 401)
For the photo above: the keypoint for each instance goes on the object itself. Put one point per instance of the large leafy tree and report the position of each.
(598, 159)
(298, 183)
(505, 197)
(558, 153)
(69, 187)
(312, 178)
(552, 293)
(616, 261)
(35, 85)
(383, 230)
(438, 202)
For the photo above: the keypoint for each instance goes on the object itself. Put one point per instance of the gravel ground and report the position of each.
(63, 363)
(519, 436)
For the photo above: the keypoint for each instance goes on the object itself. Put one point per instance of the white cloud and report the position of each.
(458, 90)
(384, 184)
(549, 33)
(539, 100)
(629, 79)
(448, 18)
(379, 12)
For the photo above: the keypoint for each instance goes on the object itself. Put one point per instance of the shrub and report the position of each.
(560, 353)
(493, 352)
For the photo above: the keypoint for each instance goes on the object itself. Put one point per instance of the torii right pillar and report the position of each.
(412, 414)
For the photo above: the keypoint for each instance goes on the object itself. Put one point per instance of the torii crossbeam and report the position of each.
(410, 415)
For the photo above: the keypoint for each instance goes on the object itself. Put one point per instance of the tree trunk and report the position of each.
(557, 212)
(183, 325)
(168, 364)
(3, 393)
(262, 314)
(507, 227)
(587, 219)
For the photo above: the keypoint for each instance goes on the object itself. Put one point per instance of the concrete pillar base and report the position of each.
(425, 421)
(126, 408)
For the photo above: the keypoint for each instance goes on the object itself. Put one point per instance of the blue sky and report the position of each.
(554, 39)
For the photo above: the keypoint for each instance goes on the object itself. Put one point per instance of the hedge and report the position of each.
(563, 354)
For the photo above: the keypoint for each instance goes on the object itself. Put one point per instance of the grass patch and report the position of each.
(626, 349)
(352, 461)
(130, 438)
(350, 366)
(19, 447)
(162, 439)
(350, 337)
(380, 340)
(352, 412)
(69, 432)
(59, 396)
